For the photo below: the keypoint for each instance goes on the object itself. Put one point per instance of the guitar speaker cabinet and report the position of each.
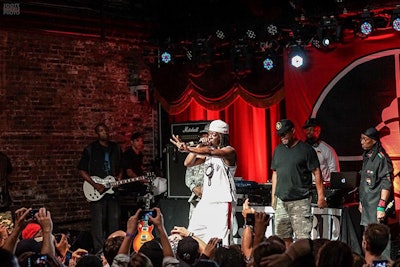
(187, 131)
(176, 174)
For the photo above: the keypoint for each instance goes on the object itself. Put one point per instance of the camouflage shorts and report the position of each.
(293, 218)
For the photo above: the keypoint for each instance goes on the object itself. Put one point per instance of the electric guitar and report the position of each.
(144, 229)
(109, 183)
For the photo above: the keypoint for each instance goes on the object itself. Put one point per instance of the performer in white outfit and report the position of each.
(213, 214)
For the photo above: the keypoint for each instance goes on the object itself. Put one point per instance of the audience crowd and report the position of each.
(32, 242)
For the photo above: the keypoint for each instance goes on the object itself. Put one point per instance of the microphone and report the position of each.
(195, 143)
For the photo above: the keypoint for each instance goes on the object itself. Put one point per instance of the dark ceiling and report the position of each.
(180, 19)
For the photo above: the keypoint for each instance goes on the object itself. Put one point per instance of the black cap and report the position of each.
(372, 133)
(311, 122)
(283, 126)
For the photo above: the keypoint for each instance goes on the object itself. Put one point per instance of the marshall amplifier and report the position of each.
(188, 131)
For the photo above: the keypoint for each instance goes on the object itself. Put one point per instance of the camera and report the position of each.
(144, 214)
(219, 244)
(37, 260)
(32, 213)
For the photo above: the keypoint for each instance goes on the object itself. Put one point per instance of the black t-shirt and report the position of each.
(294, 168)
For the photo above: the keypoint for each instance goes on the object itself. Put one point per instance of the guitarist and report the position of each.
(376, 181)
(102, 158)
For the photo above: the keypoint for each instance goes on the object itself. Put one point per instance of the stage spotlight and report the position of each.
(251, 34)
(297, 57)
(272, 30)
(269, 61)
(220, 34)
(366, 25)
(166, 57)
(328, 32)
(395, 19)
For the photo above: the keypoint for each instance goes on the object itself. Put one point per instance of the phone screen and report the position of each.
(250, 219)
(144, 214)
(379, 263)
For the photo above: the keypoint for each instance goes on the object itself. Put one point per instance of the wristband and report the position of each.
(380, 209)
(130, 235)
(382, 203)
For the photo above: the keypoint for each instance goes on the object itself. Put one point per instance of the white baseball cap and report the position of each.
(219, 127)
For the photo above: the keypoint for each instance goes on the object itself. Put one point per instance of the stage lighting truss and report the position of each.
(297, 56)
(366, 24)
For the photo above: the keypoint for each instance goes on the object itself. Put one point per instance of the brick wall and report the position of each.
(53, 90)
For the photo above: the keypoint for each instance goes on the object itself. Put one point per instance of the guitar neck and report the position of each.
(129, 180)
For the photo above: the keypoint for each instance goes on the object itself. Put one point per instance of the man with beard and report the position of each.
(293, 164)
(328, 159)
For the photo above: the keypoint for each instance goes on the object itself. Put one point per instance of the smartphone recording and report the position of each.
(144, 214)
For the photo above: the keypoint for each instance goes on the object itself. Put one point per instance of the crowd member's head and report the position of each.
(312, 129)
(230, 256)
(111, 247)
(31, 230)
(359, 260)
(285, 130)
(188, 250)
(333, 254)
(89, 261)
(218, 133)
(139, 260)
(153, 250)
(266, 248)
(8, 259)
(375, 238)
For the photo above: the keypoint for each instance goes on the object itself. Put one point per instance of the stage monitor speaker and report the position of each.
(175, 213)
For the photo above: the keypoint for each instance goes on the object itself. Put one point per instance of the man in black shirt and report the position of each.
(293, 164)
(101, 159)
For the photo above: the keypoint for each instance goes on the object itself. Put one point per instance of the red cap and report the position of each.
(30, 230)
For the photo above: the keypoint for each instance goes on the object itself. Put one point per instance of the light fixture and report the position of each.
(269, 61)
(395, 19)
(220, 34)
(328, 32)
(297, 56)
(166, 57)
(366, 24)
(272, 29)
(251, 34)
